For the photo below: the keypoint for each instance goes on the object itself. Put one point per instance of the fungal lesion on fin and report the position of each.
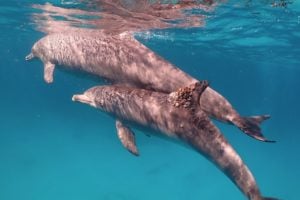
(188, 97)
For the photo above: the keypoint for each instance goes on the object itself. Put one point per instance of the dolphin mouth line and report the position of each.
(82, 98)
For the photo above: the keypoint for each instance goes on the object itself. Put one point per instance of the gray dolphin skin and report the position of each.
(122, 59)
(175, 115)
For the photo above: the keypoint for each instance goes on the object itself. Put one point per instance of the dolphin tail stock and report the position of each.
(29, 56)
(251, 126)
(207, 139)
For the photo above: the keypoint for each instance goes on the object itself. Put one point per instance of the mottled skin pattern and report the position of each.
(177, 116)
(122, 59)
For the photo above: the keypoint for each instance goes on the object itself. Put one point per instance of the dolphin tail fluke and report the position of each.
(251, 126)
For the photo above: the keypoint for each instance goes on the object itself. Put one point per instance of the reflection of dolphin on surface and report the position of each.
(122, 59)
(176, 115)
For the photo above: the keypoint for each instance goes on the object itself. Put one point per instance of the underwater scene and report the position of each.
(177, 83)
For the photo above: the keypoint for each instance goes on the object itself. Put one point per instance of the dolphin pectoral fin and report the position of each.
(48, 72)
(251, 126)
(126, 137)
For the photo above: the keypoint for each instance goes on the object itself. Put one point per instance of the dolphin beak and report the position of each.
(29, 56)
(82, 98)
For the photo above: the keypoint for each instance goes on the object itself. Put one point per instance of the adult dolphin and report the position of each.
(176, 115)
(122, 59)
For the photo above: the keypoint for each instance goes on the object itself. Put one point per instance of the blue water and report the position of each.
(52, 148)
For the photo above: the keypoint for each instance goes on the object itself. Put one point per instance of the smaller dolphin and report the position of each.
(175, 115)
(124, 60)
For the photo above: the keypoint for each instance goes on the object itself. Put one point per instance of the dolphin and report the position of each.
(177, 116)
(122, 59)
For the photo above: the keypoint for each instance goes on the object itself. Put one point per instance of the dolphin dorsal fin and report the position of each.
(197, 89)
(126, 137)
(188, 97)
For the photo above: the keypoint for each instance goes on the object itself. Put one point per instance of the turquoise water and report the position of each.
(52, 148)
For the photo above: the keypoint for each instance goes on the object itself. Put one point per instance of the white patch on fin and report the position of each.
(126, 137)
